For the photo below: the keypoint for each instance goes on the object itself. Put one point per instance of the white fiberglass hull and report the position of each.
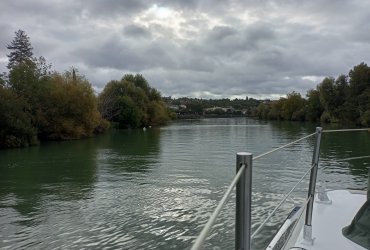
(328, 219)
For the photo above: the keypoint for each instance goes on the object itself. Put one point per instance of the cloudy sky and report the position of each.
(196, 48)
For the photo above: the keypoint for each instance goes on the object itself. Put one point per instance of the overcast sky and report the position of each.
(196, 48)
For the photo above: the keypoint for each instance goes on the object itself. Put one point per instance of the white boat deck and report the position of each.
(329, 219)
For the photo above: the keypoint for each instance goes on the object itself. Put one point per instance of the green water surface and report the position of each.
(155, 189)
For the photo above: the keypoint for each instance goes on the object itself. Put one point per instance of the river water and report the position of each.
(155, 189)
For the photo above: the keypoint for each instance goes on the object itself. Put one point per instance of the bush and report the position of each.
(16, 129)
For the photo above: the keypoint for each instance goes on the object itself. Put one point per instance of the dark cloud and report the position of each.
(121, 54)
(113, 8)
(198, 47)
(137, 31)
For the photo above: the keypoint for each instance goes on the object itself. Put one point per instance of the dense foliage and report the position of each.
(37, 104)
(16, 129)
(132, 103)
(345, 99)
(69, 109)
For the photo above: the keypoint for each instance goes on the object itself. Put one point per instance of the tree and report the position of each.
(359, 79)
(26, 73)
(327, 94)
(341, 96)
(360, 92)
(69, 109)
(292, 108)
(276, 108)
(263, 110)
(314, 106)
(132, 103)
(23, 79)
(125, 103)
(21, 50)
(16, 129)
(2, 80)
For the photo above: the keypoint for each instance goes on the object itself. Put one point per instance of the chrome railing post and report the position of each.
(307, 232)
(243, 202)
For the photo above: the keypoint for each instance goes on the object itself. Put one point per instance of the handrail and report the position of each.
(345, 130)
(354, 158)
(202, 236)
(284, 146)
(280, 203)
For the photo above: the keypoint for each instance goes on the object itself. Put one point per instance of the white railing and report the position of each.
(243, 183)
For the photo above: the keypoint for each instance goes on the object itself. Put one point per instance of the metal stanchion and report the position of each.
(243, 202)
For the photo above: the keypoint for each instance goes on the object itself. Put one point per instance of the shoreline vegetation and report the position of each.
(344, 100)
(40, 104)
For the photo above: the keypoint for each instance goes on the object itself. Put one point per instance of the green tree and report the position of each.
(130, 115)
(25, 71)
(139, 81)
(21, 50)
(23, 79)
(108, 100)
(293, 107)
(276, 108)
(359, 79)
(314, 106)
(16, 129)
(263, 110)
(132, 103)
(36, 103)
(359, 102)
(69, 109)
(341, 96)
(30, 80)
(158, 113)
(2, 81)
(327, 94)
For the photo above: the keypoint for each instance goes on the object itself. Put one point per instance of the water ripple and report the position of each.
(156, 190)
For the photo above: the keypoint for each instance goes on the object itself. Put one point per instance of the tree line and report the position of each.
(345, 99)
(201, 107)
(38, 103)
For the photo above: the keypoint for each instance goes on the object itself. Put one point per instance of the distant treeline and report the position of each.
(39, 104)
(187, 107)
(345, 99)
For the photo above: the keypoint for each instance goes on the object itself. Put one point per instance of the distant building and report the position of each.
(173, 107)
(176, 107)
(228, 109)
(219, 109)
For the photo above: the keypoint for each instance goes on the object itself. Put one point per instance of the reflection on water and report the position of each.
(348, 173)
(156, 189)
(36, 184)
(129, 150)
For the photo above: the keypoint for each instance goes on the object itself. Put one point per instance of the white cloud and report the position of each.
(3, 60)
(312, 78)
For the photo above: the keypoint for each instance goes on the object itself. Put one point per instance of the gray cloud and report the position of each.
(197, 48)
(136, 31)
